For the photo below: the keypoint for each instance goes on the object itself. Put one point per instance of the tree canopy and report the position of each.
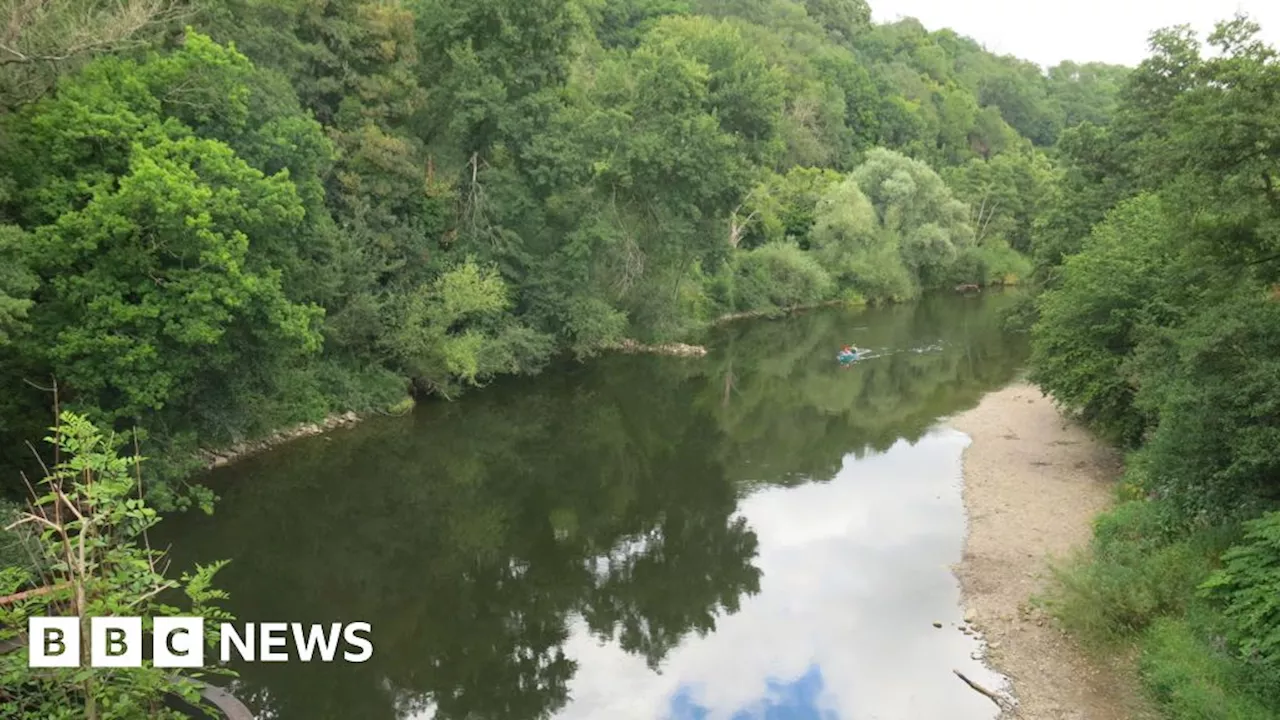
(224, 217)
(1156, 252)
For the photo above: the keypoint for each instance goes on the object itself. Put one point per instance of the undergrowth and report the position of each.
(1148, 582)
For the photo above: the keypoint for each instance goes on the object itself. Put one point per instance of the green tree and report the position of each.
(1091, 324)
(176, 302)
(622, 23)
(455, 329)
(912, 203)
(778, 276)
(1086, 92)
(1006, 195)
(490, 62)
(16, 284)
(1019, 89)
(844, 19)
(782, 208)
(850, 242)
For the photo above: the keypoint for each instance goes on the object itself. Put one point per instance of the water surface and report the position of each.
(760, 533)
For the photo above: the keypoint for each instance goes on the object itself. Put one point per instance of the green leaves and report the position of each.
(163, 266)
(1090, 325)
(97, 561)
(1144, 333)
(224, 233)
(16, 283)
(456, 329)
(1006, 194)
(777, 276)
(891, 228)
(1249, 587)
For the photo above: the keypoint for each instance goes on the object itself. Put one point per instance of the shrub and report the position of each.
(779, 275)
(1213, 381)
(88, 528)
(1089, 326)
(991, 263)
(1132, 573)
(1248, 586)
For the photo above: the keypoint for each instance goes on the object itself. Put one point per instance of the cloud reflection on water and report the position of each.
(855, 571)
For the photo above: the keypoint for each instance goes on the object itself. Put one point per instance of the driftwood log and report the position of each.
(1001, 702)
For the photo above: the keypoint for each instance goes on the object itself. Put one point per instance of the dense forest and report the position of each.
(221, 218)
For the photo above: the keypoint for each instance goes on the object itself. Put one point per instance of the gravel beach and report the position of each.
(1033, 484)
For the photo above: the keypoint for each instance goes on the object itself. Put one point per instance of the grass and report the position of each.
(1191, 679)
(1135, 587)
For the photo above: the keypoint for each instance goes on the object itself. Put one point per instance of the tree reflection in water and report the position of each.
(471, 534)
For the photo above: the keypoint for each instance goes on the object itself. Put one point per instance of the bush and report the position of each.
(991, 263)
(591, 324)
(778, 275)
(1213, 381)
(786, 206)
(1091, 324)
(1248, 586)
(88, 533)
(1133, 573)
(850, 243)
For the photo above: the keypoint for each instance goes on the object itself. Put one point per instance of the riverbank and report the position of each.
(225, 456)
(1033, 484)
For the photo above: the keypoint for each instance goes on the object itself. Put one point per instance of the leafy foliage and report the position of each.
(1091, 324)
(1190, 678)
(1249, 586)
(456, 328)
(777, 276)
(1158, 326)
(892, 228)
(87, 529)
(267, 214)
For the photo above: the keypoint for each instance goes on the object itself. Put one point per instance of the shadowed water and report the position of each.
(760, 533)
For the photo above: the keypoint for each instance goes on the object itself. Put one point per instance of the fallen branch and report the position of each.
(1000, 701)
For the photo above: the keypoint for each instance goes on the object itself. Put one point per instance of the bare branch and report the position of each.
(34, 592)
(28, 518)
(50, 32)
(42, 39)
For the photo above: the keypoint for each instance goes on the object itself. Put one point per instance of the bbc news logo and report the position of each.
(179, 642)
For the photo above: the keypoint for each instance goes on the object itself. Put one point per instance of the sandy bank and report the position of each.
(1033, 484)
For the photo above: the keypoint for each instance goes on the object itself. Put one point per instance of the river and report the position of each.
(758, 533)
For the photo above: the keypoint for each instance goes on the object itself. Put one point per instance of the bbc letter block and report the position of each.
(55, 642)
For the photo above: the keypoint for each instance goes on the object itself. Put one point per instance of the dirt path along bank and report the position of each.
(1033, 484)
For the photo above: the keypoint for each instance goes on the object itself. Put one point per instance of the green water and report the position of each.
(757, 533)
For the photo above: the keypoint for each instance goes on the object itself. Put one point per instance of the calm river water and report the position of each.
(760, 533)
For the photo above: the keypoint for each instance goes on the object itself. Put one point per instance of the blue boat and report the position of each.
(847, 357)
